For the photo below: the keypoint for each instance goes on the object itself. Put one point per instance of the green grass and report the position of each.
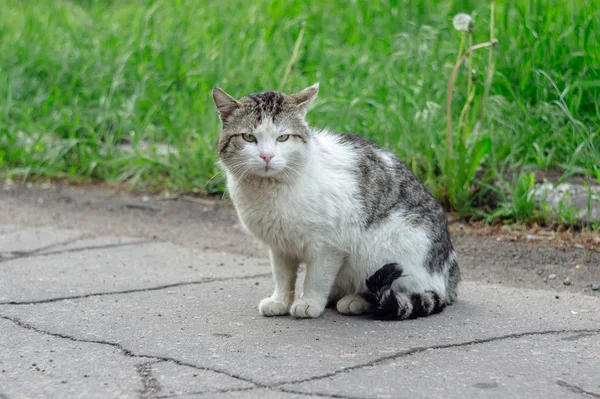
(78, 79)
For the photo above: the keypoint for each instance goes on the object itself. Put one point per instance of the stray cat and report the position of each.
(372, 237)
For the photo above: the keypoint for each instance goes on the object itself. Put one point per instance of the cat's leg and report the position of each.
(321, 271)
(285, 271)
(345, 292)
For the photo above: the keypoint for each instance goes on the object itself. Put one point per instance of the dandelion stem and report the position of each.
(490, 66)
(461, 47)
(470, 92)
(464, 114)
(451, 87)
(470, 64)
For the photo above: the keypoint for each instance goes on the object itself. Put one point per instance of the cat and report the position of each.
(371, 236)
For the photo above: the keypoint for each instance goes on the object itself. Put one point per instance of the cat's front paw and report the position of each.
(303, 310)
(270, 307)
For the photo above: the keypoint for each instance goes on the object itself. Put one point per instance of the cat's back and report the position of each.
(387, 186)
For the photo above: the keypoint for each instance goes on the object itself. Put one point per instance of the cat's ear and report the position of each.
(225, 103)
(304, 98)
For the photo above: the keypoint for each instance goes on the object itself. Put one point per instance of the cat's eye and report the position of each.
(283, 138)
(250, 138)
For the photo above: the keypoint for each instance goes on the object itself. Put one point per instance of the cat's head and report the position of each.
(264, 134)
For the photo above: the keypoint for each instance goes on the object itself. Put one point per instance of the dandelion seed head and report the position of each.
(463, 22)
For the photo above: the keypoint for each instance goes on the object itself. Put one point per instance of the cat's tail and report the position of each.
(390, 304)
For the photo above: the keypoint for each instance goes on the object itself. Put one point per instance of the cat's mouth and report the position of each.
(267, 171)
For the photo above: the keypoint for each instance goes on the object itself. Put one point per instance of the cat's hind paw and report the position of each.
(270, 307)
(352, 305)
(305, 310)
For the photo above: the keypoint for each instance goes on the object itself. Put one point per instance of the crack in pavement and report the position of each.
(577, 336)
(150, 385)
(35, 252)
(419, 349)
(95, 247)
(134, 290)
(125, 351)
(208, 392)
(321, 395)
(280, 386)
(576, 389)
(277, 390)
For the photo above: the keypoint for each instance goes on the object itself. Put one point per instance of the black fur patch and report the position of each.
(384, 299)
(387, 309)
(418, 306)
(438, 304)
(266, 103)
(390, 309)
(383, 278)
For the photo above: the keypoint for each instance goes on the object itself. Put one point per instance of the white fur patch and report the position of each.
(352, 304)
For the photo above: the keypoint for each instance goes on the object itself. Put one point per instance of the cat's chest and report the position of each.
(282, 218)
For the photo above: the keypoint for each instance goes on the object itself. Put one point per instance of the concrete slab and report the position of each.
(35, 365)
(113, 317)
(67, 368)
(119, 268)
(217, 326)
(33, 238)
(543, 366)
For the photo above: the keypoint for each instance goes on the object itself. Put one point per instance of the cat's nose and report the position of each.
(267, 157)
